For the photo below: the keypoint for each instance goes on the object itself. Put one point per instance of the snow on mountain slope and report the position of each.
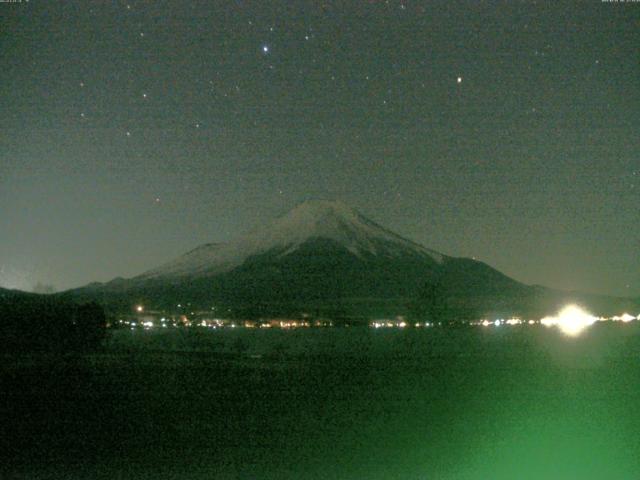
(312, 219)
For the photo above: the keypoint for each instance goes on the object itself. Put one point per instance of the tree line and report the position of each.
(46, 323)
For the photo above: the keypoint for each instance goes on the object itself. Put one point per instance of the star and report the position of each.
(144, 95)
(265, 49)
(459, 79)
(128, 134)
(142, 34)
(81, 84)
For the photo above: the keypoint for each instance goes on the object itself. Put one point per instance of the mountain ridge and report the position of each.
(311, 219)
(327, 258)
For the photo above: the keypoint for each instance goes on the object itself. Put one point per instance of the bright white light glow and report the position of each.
(572, 320)
(549, 321)
(625, 317)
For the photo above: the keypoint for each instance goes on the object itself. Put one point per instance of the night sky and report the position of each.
(505, 131)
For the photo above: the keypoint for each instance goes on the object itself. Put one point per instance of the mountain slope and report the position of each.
(313, 219)
(325, 257)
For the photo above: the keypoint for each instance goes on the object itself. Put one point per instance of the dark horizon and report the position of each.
(135, 132)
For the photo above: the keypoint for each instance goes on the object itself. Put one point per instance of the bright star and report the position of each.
(265, 48)
(459, 79)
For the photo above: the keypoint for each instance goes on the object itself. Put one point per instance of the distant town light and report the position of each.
(625, 317)
(572, 320)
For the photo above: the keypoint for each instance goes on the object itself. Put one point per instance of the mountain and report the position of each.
(325, 258)
(331, 221)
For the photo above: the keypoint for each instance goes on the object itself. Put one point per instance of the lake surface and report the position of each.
(522, 402)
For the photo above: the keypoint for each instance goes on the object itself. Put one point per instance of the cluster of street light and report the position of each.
(571, 320)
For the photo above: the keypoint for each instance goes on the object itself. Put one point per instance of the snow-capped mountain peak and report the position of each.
(331, 220)
(317, 219)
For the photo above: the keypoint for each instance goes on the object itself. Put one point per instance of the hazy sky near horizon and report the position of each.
(505, 131)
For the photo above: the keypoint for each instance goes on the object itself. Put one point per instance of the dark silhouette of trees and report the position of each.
(87, 328)
(39, 323)
(430, 305)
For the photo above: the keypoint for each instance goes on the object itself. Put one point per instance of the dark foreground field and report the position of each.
(499, 403)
